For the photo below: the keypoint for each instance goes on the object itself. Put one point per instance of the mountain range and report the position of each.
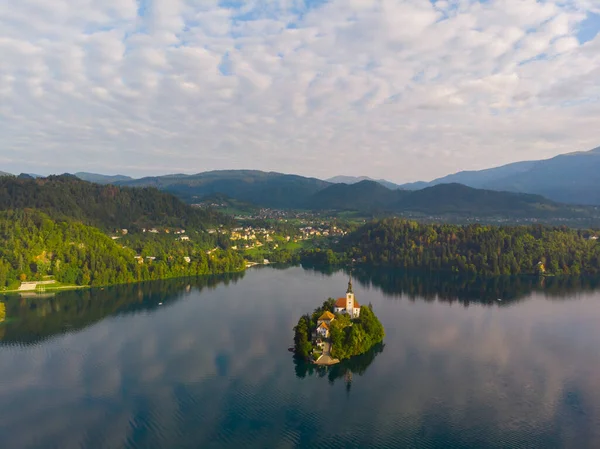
(569, 178)
(277, 190)
(442, 199)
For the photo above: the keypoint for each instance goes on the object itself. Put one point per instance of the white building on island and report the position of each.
(349, 304)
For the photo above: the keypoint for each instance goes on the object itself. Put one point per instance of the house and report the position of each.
(327, 317)
(323, 330)
(349, 304)
(187, 259)
(184, 238)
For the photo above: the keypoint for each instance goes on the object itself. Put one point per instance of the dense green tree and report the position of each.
(473, 249)
(33, 247)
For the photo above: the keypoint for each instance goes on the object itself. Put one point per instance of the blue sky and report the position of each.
(398, 89)
(589, 28)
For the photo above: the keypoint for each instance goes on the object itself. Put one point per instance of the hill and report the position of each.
(568, 178)
(267, 189)
(460, 199)
(442, 199)
(101, 179)
(357, 179)
(3, 173)
(103, 206)
(364, 196)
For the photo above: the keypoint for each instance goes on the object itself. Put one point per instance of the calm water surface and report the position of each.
(209, 367)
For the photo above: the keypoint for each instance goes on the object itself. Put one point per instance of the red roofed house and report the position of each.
(323, 330)
(349, 304)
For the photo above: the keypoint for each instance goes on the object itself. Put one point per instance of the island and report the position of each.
(337, 330)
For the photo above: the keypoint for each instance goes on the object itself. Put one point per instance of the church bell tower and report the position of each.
(350, 298)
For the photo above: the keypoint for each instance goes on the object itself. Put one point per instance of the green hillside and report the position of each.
(34, 247)
(103, 206)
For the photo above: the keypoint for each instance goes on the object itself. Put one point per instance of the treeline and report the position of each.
(35, 247)
(104, 206)
(473, 249)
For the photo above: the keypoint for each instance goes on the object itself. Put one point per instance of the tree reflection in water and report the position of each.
(70, 311)
(346, 370)
(465, 290)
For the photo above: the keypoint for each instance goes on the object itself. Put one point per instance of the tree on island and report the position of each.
(357, 338)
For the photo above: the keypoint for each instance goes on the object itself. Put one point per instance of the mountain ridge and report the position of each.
(567, 178)
(342, 179)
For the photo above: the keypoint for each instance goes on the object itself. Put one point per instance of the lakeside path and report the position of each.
(326, 358)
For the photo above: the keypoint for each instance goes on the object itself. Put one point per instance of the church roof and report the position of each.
(341, 302)
(327, 315)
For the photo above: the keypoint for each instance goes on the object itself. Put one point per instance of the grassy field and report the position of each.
(14, 288)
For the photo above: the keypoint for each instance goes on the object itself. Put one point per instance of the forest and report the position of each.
(34, 246)
(107, 207)
(467, 249)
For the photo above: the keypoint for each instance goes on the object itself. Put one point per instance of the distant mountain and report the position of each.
(367, 196)
(103, 206)
(355, 179)
(567, 178)
(463, 200)
(475, 178)
(267, 189)
(442, 199)
(277, 190)
(3, 173)
(102, 179)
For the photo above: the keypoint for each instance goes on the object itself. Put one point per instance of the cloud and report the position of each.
(404, 90)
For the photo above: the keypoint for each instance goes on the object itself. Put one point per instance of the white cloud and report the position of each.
(398, 89)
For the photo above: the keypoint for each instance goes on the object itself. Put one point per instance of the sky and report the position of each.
(404, 90)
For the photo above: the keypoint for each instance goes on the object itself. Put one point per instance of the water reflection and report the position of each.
(346, 370)
(500, 291)
(213, 371)
(32, 318)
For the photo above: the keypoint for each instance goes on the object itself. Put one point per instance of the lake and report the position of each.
(203, 363)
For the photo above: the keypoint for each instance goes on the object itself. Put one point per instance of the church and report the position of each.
(349, 304)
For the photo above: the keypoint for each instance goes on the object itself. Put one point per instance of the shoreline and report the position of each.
(81, 287)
